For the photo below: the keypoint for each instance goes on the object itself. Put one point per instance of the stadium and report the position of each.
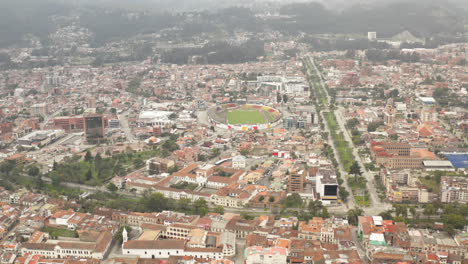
(244, 117)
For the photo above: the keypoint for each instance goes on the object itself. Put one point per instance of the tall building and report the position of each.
(94, 128)
(454, 189)
(372, 36)
(429, 115)
(327, 185)
(40, 109)
(289, 122)
(69, 123)
(296, 181)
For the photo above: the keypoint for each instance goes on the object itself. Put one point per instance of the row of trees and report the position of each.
(217, 53)
(294, 205)
(96, 170)
(148, 202)
(384, 55)
(453, 215)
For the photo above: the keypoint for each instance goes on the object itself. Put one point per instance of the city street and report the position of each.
(350, 203)
(123, 118)
(376, 206)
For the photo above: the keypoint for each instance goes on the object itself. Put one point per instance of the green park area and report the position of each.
(248, 117)
(59, 232)
(184, 186)
(344, 151)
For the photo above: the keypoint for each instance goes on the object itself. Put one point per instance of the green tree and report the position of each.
(352, 123)
(215, 153)
(154, 202)
(353, 215)
(429, 210)
(244, 152)
(33, 171)
(173, 116)
(271, 199)
(6, 167)
(355, 169)
(387, 215)
(247, 216)
(98, 158)
(54, 166)
(88, 157)
(201, 207)
(372, 127)
(344, 194)
(201, 157)
(56, 180)
(118, 235)
(412, 210)
(455, 220)
(184, 205)
(39, 182)
(89, 175)
(292, 201)
(315, 206)
(112, 187)
(138, 163)
(219, 210)
(401, 210)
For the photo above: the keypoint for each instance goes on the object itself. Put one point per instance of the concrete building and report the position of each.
(239, 162)
(77, 249)
(69, 123)
(454, 189)
(326, 185)
(372, 36)
(296, 181)
(94, 128)
(39, 109)
(40, 138)
(260, 255)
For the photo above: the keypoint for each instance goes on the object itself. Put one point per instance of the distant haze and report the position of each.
(190, 5)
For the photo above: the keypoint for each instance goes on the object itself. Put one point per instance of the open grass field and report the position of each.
(248, 117)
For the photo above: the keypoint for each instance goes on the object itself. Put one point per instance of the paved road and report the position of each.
(376, 206)
(123, 118)
(350, 203)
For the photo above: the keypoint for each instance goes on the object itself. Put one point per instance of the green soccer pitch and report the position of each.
(245, 117)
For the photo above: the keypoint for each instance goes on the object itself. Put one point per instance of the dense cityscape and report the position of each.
(257, 133)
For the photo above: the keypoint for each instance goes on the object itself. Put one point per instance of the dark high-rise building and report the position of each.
(94, 128)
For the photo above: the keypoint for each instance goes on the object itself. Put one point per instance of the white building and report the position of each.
(64, 249)
(39, 109)
(372, 36)
(154, 118)
(41, 137)
(151, 249)
(327, 185)
(260, 255)
(239, 162)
